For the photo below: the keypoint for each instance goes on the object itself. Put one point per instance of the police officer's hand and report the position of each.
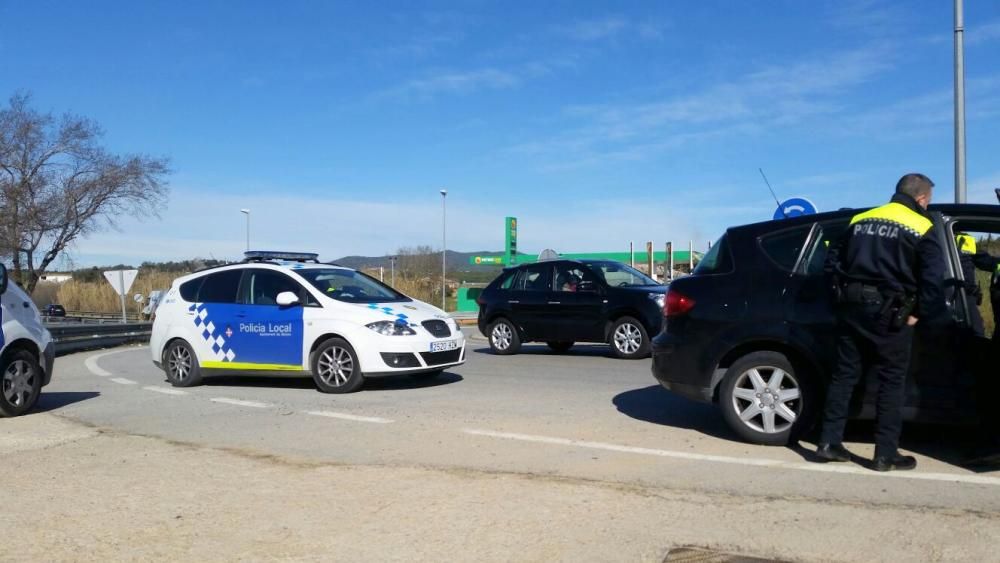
(911, 320)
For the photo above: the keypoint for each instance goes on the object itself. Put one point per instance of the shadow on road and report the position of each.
(59, 399)
(659, 406)
(389, 383)
(581, 350)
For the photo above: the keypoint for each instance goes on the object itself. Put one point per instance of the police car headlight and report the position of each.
(659, 298)
(389, 328)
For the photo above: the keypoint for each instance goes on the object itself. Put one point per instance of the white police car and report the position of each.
(286, 313)
(27, 353)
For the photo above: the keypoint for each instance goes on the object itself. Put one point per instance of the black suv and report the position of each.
(753, 330)
(560, 302)
(54, 310)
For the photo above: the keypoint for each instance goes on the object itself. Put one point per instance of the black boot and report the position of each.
(833, 452)
(894, 462)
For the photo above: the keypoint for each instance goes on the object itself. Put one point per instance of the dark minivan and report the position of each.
(561, 302)
(752, 329)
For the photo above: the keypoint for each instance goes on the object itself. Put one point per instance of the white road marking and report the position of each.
(91, 362)
(353, 417)
(240, 403)
(165, 390)
(123, 381)
(758, 462)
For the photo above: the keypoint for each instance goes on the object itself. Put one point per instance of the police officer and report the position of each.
(967, 253)
(889, 274)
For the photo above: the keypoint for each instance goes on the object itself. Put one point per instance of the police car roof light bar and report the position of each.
(265, 255)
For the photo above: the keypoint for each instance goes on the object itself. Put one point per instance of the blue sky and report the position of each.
(595, 123)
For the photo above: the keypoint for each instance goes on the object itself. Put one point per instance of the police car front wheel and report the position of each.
(335, 367)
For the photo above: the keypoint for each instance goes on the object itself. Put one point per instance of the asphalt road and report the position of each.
(582, 415)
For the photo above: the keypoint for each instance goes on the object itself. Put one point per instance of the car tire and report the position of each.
(758, 407)
(503, 337)
(335, 367)
(20, 382)
(559, 347)
(424, 376)
(181, 365)
(628, 339)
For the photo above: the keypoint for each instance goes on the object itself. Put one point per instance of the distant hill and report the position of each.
(457, 261)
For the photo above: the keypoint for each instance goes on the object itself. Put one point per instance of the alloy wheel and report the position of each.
(179, 363)
(501, 336)
(335, 366)
(628, 338)
(767, 399)
(18, 383)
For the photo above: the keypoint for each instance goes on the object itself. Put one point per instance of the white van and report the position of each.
(26, 350)
(282, 313)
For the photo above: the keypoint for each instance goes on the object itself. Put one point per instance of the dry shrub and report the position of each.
(100, 297)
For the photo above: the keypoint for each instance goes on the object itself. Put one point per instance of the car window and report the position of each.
(828, 234)
(506, 279)
(350, 286)
(261, 287)
(718, 259)
(189, 289)
(220, 287)
(784, 247)
(617, 274)
(569, 276)
(534, 278)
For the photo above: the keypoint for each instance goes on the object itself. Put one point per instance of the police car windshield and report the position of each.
(617, 274)
(350, 286)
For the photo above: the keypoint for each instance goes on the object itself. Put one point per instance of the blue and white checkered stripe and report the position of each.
(211, 334)
(400, 317)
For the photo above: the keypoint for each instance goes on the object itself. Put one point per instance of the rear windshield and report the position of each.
(350, 286)
(717, 260)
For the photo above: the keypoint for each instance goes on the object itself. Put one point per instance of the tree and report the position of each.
(57, 184)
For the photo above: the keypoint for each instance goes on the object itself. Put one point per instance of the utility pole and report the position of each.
(247, 213)
(959, 103)
(444, 248)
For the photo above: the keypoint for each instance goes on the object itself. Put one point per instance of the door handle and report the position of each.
(555, 302)
(513, 302)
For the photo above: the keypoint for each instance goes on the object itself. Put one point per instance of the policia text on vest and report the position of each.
(888, 272)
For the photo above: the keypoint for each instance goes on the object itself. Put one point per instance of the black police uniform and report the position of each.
(887, 266)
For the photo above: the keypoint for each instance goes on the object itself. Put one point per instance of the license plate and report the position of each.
(444, 346)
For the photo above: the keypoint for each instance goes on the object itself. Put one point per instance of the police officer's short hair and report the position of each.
(914, 185)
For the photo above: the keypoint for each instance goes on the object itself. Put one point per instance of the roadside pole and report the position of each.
(631, 254)
(690, 256)
(121, 284)
(960, 192)
(649, 259)
(670, 261)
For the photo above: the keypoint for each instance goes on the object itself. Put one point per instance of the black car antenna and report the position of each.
(761, 170)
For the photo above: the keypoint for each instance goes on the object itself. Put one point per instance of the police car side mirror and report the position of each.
(3, 279)
(287, 298)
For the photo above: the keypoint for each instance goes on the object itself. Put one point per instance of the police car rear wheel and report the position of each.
(20, 383)
(181, 365)
(335, 367)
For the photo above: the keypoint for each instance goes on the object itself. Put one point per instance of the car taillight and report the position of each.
(677, 304)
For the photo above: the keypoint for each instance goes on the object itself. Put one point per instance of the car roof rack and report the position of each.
(271, 255)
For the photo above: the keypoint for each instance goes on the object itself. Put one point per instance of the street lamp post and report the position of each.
(392, 270)
(444, 247)
(247, 213)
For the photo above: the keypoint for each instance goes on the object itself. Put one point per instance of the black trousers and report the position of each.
(865, 342)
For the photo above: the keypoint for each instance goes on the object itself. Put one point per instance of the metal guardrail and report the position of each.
(70, 338)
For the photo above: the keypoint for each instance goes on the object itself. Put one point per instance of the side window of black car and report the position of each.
(827, 235)
(784, 247)
(508, 281)
(534, 278)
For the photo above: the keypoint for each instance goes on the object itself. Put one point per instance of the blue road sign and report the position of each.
(794, 207)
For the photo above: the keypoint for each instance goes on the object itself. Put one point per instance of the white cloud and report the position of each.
(976, 34)
(980, 190)
(785, 94)
(196, 225)
(595, 29)
(452, 82)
